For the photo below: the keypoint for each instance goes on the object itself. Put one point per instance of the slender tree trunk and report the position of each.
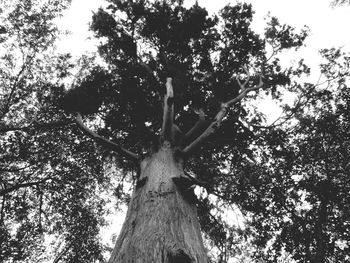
(320, 256)
(161, 225)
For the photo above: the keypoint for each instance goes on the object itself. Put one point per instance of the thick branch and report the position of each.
(113, 146)
(168, 115)
(198, 128)
(210, 130)
(215, 125)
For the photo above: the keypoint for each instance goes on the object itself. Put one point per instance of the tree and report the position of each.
(203, 67)
(46, 187)
(170, 104)
(306, 189)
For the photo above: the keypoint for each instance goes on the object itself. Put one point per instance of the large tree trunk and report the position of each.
(161, 224)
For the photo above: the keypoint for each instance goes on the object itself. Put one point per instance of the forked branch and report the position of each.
(168, 115)
(245, 90)
(215, 125)
(105, 142)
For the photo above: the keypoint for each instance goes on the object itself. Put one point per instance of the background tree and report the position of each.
(306, 189)
(48, 187)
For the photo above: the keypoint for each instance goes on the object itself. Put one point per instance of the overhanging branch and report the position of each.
(105, 142)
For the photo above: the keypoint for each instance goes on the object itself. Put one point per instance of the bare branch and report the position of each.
(168, 115)
(197, 128)
(215, 125)
(244, 91)
(105, 142)
(210, 130)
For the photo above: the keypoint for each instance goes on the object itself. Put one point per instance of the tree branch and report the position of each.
(61, 254)
(113, 146)
(168, 115)
(197, 181)
(2, 209)
(197, 128)
(244, 91)
(7, 106)
(215, 125)
(22, 185)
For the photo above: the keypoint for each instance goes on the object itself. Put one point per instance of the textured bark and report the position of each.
(161, 225)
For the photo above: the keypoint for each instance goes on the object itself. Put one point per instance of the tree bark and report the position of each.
(161, 225)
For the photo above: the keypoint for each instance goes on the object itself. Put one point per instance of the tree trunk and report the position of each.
(320, 256)
(161, 225)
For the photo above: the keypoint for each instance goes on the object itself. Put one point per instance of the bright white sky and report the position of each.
(329, 28)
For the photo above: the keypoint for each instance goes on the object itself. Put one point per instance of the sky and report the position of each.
(328, 25)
